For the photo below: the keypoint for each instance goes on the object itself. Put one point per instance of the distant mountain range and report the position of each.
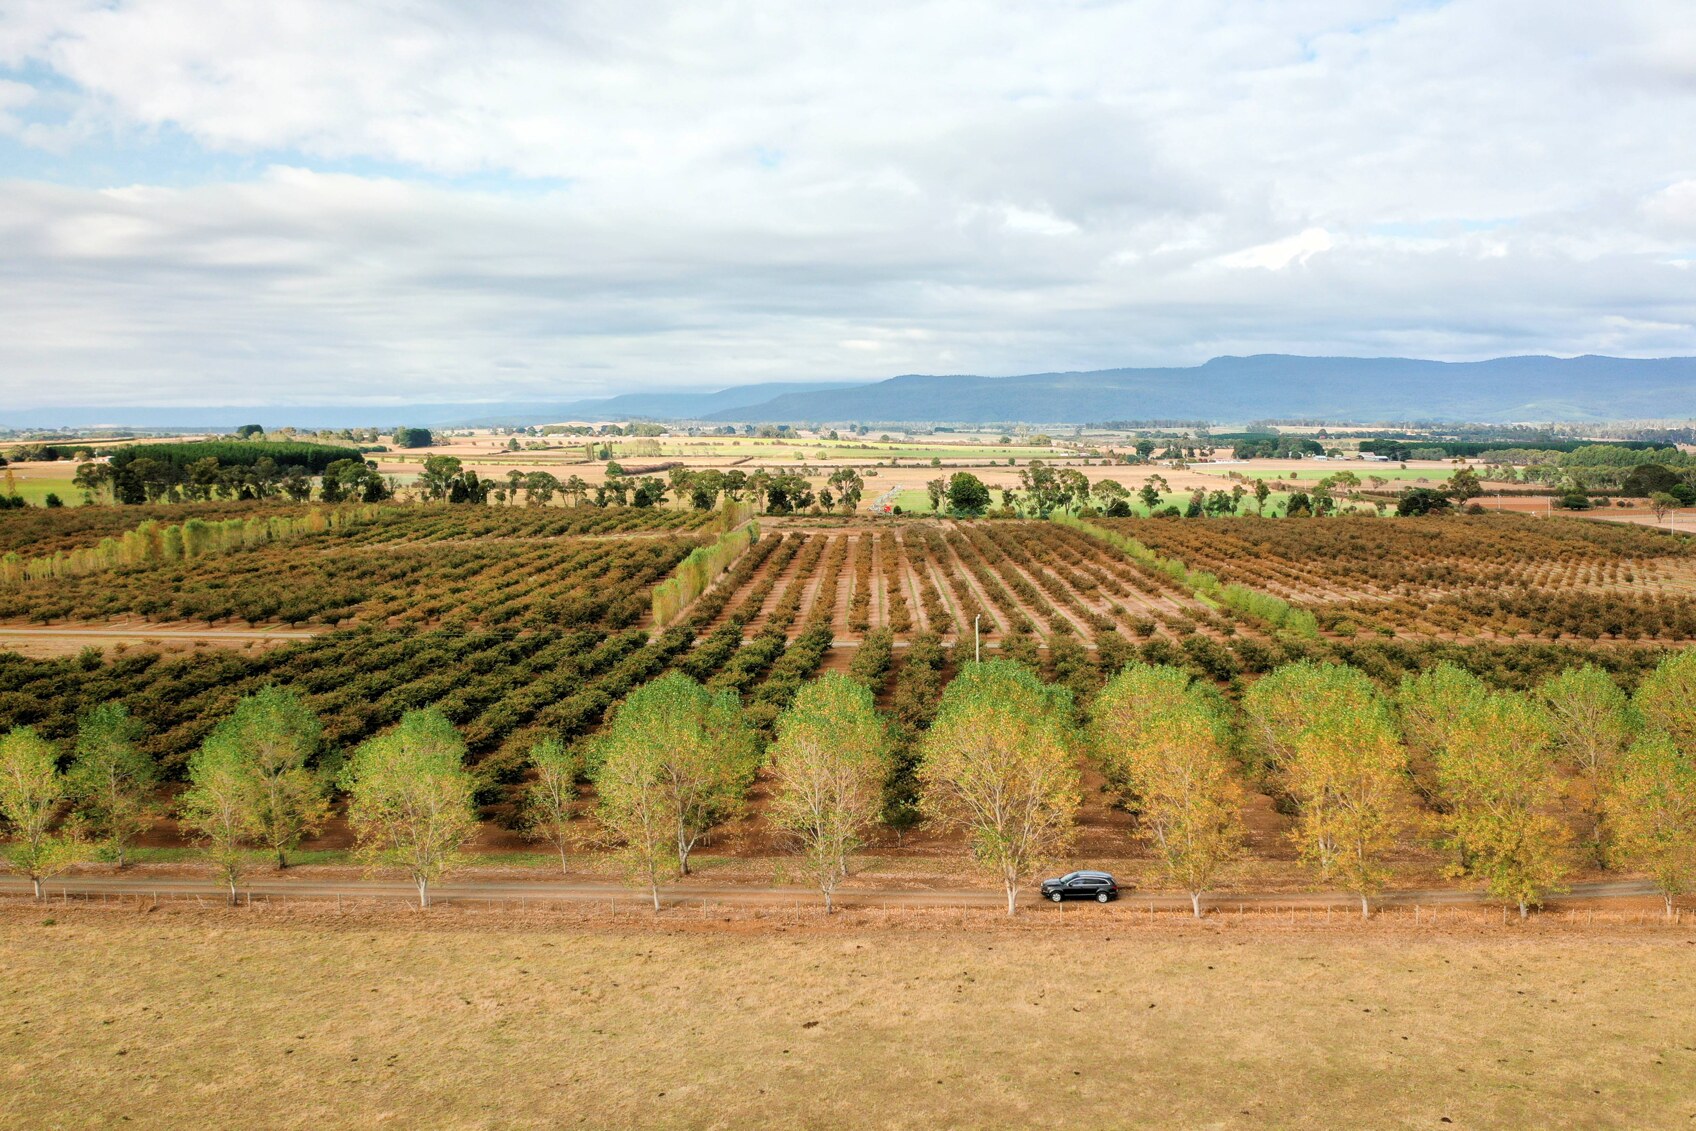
(1277, 386)
(1531, 389)
(654, 406)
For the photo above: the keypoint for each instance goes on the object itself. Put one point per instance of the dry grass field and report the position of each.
(464, 1019)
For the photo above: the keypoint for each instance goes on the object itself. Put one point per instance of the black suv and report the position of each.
(1098, 886)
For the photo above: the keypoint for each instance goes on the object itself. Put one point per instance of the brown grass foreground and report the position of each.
(305, 1017)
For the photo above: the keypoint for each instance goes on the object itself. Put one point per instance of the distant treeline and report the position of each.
(1401, 450)
(308, 457)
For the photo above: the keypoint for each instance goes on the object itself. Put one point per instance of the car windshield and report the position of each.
(1069, 876)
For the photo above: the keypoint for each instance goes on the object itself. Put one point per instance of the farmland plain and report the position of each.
(461, 1019)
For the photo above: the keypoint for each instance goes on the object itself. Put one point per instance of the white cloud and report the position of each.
(466, 201)
(1278, 254)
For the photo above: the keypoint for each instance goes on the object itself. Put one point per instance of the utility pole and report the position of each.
(977, 639)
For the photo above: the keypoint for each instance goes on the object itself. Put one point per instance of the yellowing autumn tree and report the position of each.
(999, 763)
(1332, 742)
(1161, 739)
(1498, 780)
(1651, 808)
(1593, 725)
(1666, 699)
(829, 765)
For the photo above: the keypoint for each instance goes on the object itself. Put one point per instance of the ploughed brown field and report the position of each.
(309, 1018)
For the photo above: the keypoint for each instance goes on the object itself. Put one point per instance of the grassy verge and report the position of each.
(258, 1019)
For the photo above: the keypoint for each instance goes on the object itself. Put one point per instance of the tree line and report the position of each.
(1514, 790)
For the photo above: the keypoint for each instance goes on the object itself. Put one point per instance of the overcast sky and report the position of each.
(324, 201)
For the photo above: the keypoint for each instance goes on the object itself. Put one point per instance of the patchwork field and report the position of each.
(1557, 578)
(301, 1020)
(524, 622)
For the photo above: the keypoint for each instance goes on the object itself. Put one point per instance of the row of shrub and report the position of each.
(151, 542)
(1275, 611)
(699, 570)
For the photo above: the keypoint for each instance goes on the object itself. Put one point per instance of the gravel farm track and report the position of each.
(473, 891)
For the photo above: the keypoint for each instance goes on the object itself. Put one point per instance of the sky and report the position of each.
(403, 201)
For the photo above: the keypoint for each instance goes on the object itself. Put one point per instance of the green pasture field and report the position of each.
(36, 483)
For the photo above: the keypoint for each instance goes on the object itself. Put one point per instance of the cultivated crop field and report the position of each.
(1472, 576)
(232, 1018)
(514, 619)
(506, 619)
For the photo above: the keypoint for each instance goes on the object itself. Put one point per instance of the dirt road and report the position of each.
(573, 891)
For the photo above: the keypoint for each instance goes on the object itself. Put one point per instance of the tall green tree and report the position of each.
(111, 779)
(1332, 741)
(1651, 807)
(1430, 705)
(1594, 724)
(221, 807)
(32, 793)
(549, 797)
(696, 748)
(829, 766)
(411, 799)
(967, 495)
(1000, 764)
(1163, 742)
(274, 735)
(1497, 775)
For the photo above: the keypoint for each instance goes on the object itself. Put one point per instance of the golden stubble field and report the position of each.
(306, 1018)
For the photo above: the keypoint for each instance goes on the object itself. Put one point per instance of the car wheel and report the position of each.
(1055, 897)
(1102, 898)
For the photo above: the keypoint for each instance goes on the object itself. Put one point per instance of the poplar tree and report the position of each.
(1162, 741)
(1651, 807)
(1593, 725)
(549, 797)
(1430, 704)
(220, 806)
(695, 745)
(1332, 741)
(273, 736)
(999, 763)
(1666, 699)
(1497, 775)
(32, 792)
(411, 799)
(829, 765)
(112, 779)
